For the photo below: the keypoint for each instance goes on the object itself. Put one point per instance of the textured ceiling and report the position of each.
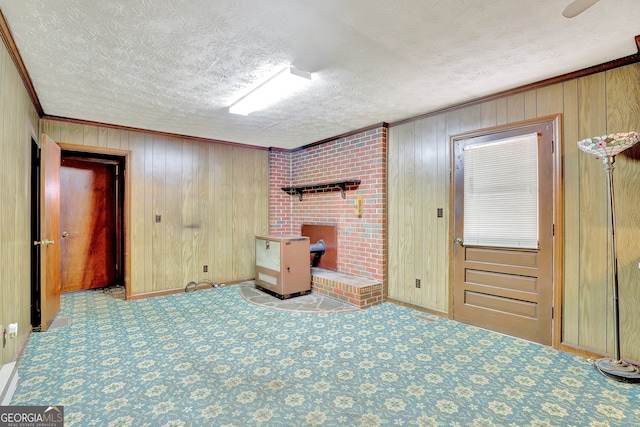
(176, 65)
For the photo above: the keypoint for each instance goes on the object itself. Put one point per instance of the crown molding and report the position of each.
(149, 132)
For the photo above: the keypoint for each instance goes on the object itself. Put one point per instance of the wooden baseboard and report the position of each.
(22, 345)
(418, 308)
(589, 354)
(8, 383)
(181, 290)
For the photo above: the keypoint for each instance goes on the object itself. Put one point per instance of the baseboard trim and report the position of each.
(8, 382)
(419, 308)
(589, 354)
(23, 345)
(173, 291)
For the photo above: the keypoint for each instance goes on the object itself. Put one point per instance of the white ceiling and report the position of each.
(177, 65)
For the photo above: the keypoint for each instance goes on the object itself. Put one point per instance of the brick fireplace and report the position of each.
(361, 239)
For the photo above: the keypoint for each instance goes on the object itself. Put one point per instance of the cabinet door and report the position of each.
(268, 254)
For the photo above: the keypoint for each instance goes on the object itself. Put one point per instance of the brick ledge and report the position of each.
(358, 291)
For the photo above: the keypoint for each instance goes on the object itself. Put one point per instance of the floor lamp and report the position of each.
(606, 147)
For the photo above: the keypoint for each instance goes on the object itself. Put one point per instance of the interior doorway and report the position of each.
(46, 272)
(91, 220)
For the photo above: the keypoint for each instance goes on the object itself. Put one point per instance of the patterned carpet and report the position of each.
(210, 358)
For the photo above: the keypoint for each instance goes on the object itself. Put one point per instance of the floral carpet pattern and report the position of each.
(210, 358)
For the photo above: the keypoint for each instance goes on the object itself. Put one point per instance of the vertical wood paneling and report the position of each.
(174, 224)
(149, 216)
(190, 220)
(158, 205)
(443, 243)
(6, 292)
(51, 129)
(260, 195)
(623, 115)
(244, 190)
(570, 319)
(452, 127)
(17, 117)
(205, 211)
(393, 197)
(137, 205)
(407, 209)
(530, 104)
(71, 133)
(594, 281)
(90, 135)
(427, 221)
(470, 118)
(515, 108)
(224, 244)
(421, 211)
(103, 137)
(489, 114)
(113, 138)
(501, 111)
(549, 100)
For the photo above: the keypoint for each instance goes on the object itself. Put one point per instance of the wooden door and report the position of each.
(502, 288)
(88, 223)
(49, 242)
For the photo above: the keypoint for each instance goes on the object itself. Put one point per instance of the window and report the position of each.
(501, 193)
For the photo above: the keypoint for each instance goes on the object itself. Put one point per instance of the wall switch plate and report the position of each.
(158, 218)
(13, 330)
(440, 212)
(417, 283)
(205, 269)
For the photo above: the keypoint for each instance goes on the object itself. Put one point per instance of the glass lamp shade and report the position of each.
(609, 145)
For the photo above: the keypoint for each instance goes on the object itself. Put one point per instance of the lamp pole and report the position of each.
(608, 167)
(606, 147)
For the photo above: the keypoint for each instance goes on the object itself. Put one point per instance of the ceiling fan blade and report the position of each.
(576, 7)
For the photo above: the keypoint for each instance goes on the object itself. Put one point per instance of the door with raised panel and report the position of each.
(48, 300)
(88, 216)
(503, 194)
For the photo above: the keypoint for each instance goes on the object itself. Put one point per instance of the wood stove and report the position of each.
(282, 265)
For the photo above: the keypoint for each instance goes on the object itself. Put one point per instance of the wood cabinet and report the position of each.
(282, 264)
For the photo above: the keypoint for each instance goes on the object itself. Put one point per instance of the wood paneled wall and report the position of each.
(418, 170)
(18, 124)
(213, 200)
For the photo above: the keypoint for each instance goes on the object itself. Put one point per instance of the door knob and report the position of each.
(460, 241)
(43, 242)
(65, 233)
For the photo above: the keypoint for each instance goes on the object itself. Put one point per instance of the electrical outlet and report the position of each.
(158, 218)
(417, 283)
(205, 269)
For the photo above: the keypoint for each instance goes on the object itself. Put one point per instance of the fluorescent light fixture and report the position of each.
(278, 87)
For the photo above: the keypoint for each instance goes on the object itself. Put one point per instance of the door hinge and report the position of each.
(552, 146)
(552, 314)
(553, 229)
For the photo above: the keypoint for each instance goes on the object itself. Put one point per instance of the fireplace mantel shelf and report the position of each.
(321, 188)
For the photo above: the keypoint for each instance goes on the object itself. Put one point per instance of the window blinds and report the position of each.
(501, 193)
